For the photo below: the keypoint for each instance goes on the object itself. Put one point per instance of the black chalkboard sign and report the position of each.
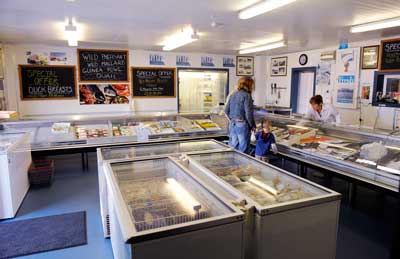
(99, 65)
(47, 82)
(153, 82)
(390, 56)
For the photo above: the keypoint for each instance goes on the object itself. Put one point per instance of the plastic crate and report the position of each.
(41, 172)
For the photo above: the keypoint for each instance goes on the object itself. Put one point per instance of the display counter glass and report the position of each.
(76, 131)
(370, 156)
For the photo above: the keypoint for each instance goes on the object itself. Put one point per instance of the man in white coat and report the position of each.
(322, 112)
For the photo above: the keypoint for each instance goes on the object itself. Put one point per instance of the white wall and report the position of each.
(16, 54)
(365, 111)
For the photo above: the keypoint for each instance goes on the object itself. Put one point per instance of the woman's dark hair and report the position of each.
(316, 100)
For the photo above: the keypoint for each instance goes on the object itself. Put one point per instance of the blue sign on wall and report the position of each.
(228, 62)
(156, 59)
(183, 61)
(207, 61)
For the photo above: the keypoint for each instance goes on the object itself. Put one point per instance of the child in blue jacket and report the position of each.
(264, 141)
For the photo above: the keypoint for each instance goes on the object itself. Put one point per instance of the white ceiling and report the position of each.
(305, 24)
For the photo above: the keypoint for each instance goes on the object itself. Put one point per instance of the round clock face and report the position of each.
(303, 59)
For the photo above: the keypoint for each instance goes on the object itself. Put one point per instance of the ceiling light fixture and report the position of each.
(180, 40)
(372, 26)
(71, 34)
(263, 47)
(262, 7)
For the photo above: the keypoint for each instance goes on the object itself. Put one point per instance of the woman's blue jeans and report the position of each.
(239, 136)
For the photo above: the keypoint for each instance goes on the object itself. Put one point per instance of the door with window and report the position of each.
(302, 88)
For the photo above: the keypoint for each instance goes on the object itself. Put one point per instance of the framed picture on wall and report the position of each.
(370, 57)
(244, 66)
(279, 66)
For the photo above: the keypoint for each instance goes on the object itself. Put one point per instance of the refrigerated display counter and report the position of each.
(82, 131)
(287, 216)
(128, 153)
(371, 156)
(15, 159)
(159, 210)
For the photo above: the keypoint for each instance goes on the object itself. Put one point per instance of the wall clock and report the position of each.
(303, 59)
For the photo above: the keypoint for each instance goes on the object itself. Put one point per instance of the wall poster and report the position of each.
(347, 77)
(104, 94)
(324, 83)
(44, 58)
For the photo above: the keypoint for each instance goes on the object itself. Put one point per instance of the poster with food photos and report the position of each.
(279, 66)
(104, 94)
(244, 66)
(347, 78)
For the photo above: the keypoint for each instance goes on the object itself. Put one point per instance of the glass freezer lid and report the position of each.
(9, 139)
(130, 152)
(158, 193)
(263, 184)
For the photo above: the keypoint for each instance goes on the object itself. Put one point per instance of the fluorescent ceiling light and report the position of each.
(372, 26)
(180, 40)
(263, 47)
(71, 34)
(262, 7)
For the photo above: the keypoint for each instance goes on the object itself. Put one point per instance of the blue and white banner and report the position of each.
(347, 83)
(183, 61)
(228, 62)
(345, 91)
(207, 61)
(156, 59)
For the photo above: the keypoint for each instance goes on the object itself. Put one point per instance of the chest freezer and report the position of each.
(293, 218)
(123, 153)
(159, 210)
(15, 159)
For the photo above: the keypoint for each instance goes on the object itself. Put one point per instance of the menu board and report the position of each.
(390, 55)
(47, 82)
(153, 82)
(99, 65)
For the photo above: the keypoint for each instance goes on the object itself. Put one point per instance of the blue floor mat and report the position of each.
(42, 234)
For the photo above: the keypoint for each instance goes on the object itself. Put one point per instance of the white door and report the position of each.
(305, 91)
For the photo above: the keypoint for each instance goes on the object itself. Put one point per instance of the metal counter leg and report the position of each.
(352, 193)
(83, 161)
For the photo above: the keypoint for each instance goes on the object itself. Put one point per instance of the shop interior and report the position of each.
(117, 134)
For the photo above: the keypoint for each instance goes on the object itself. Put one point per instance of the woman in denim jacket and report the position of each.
(239, 110)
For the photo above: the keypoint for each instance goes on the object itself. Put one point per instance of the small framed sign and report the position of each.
(244, 66)
(279, 66)
(370, 57)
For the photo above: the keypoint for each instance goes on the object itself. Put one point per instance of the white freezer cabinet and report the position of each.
(289, 217)
(133, 152)
(159, 210)
(15, 159)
